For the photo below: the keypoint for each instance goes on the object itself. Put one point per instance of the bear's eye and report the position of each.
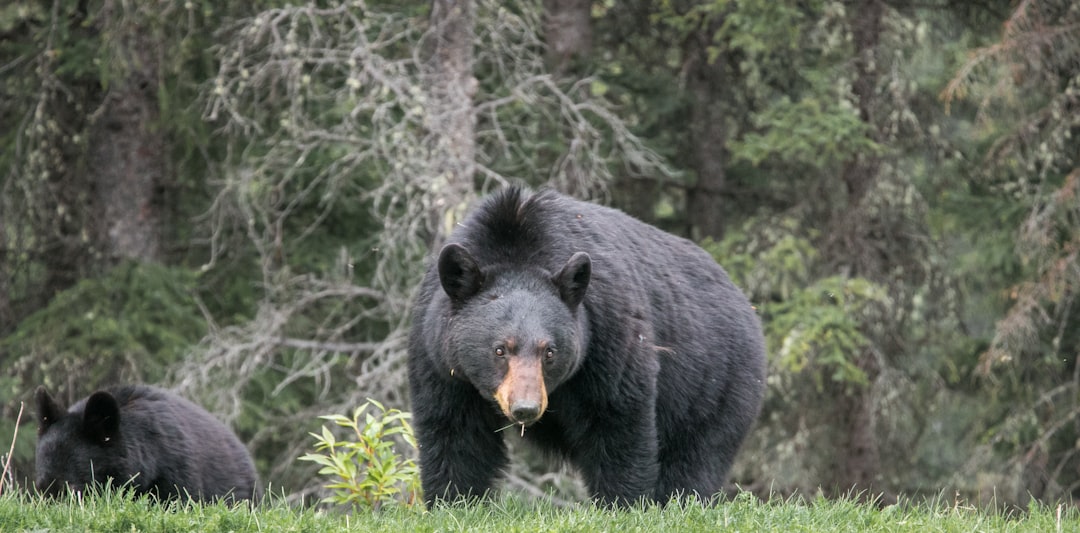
(549, 354)
(499, 352)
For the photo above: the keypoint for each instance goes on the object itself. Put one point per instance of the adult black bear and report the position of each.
(163, 444)
(623, 348)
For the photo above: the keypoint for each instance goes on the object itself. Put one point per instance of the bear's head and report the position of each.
(514, 333)
(80, 446)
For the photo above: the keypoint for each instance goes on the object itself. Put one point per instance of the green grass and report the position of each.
(113, 512)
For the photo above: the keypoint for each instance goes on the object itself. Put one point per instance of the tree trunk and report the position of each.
(859, 461)
(857, 464)
(451, 120)
(568, 33)
(861, 172)
(707, 84)
(126, 160)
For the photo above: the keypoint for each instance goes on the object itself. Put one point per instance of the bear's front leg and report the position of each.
(618, 459)
(461, 453)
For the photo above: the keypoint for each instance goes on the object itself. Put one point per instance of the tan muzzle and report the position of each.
(522, 395)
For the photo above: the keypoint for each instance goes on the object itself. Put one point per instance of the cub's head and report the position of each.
(80, 446)
(514, 333)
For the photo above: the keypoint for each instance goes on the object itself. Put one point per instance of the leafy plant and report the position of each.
(368, 472)
(813, 324)
(821, 328)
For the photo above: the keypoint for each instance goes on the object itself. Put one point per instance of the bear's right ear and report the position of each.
(459, 274)
(101, 419)
(573, 279)
(47, 409)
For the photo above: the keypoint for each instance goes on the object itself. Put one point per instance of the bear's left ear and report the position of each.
(459, 274)
(573, 279)
(101, 419)
(48, 410)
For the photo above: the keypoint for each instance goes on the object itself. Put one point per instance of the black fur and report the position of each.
(658, 367)
(159, 442)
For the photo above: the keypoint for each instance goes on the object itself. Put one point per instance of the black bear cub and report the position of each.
(622, 348)
(161, 443)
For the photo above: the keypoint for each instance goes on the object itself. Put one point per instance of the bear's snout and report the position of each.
(525, 411)
(522, 395)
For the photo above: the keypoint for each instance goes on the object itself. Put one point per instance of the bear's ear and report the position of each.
(101, 419)
(573, 279)
(460, 276)
(47, 409)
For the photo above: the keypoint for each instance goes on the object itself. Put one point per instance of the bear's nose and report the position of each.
(525, 411)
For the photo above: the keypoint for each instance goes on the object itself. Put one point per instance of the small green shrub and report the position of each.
(368, 472)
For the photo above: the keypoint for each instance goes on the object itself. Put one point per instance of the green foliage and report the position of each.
(369, 473)
(130, 324)
(768, 258)
(762, 31)
(820, 132)
(1025, 82)
(811, 325)
(821, 328)
(110, 511)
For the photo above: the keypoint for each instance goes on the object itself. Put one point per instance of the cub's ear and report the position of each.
(47, 409)
(573, 279)
(101, 419)
(459, 274)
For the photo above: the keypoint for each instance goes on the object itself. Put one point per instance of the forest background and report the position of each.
(236, 200)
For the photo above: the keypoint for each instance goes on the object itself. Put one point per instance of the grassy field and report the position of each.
(113, 512)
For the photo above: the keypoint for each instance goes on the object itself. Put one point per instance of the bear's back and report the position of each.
(186, 445)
